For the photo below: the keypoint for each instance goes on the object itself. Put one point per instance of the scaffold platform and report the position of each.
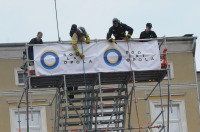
(95, 107)
(93, 79)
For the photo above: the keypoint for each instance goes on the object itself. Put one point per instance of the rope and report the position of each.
(85, 83)
(134, 92)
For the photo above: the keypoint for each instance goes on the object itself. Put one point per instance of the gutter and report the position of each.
(195, 70)
(181, 38)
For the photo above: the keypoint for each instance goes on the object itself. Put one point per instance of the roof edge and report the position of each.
(181, 38)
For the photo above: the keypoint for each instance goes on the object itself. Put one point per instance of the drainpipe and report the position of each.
(195, 69)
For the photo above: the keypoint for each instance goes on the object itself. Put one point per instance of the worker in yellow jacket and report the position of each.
(78, 35)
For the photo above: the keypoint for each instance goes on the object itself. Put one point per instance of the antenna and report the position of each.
(57, 21)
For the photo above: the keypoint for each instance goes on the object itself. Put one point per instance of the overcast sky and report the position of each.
(22, 19)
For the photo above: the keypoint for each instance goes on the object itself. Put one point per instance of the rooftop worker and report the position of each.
(148, 33)
(36, 40)
(119, 31)
(78, 35)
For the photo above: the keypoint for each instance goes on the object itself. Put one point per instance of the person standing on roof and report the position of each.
(148, 33)
(119, 31)
(78, 35)
(36, 40)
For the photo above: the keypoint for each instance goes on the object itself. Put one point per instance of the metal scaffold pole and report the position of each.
(169, 100)
(162, 108)
(136, 101)
(57, 111)
(130, 107)
(27, 111)
(169, 103)
(66, 99)
(100, 88)
(96, 111)
(92, 108)
(28, 85)
(31, 102)
(125, 104)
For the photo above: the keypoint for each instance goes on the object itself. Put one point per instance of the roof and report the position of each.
(173, 44)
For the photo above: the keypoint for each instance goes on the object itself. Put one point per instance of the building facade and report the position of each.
(184, 93)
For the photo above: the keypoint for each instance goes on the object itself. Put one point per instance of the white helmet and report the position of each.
(81, 31)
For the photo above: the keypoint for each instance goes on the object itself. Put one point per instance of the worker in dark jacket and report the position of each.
(37, 40)
(119, 31)
(148, 33)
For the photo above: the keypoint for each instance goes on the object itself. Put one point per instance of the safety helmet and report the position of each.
(81, 31)
(116, 21)
(149, 25)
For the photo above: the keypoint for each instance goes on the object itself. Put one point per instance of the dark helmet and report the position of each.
(149, 25)
(73, 29)
(81, 31)
(116, 21)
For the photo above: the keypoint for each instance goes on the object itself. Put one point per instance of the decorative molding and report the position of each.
(23, 101)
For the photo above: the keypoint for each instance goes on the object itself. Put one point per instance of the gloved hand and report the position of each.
(87, 41)
(127, 37)
(112, 40)
(87, 38)
(80, 54)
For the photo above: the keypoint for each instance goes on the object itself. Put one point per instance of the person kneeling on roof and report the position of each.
(78, 35)
(119, 31)
(148, 33)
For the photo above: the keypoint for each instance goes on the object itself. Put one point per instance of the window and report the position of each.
(19, 77)
(177, 117)
(171, 71)
(37, 120)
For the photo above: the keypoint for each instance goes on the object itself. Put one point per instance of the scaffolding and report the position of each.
(96, 110)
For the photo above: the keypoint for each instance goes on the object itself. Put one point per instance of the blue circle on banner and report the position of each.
(112, 62)
(50, 65)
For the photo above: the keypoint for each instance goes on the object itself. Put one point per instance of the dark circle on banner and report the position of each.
(49, 66)
(109, 62)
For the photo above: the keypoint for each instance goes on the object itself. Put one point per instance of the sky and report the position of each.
(22, 19)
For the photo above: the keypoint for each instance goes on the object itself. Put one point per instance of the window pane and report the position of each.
(20, 80)
(174, 127)
(21, 76)
(22, 120)
(174, 113)
(36, 119)
(158, 111)
(174, 117)
(32, 123)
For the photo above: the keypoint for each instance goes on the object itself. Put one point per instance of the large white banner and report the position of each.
(55, 59)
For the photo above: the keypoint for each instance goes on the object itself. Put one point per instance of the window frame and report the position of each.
(13, 119)
(16, 70)
(182, 111)
(171, 71)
